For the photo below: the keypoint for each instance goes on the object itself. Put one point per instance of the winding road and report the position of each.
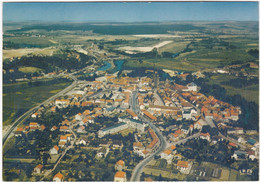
(138, 169)
(163, 143)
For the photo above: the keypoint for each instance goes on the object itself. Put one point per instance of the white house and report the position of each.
(78, 117)
(120, 176)
(167, 154)
(184, 166)
(34, 115)
(192, 87)
(38, 169)
(58, 177)
(54, 150)
(199, 124)
(205, 136)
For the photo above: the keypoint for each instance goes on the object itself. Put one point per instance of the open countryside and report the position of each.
(130, 100)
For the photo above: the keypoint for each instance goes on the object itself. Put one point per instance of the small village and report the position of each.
(106, 122)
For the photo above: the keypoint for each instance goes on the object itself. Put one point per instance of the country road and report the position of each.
(10, 130)
(32, 110)
(63, 154)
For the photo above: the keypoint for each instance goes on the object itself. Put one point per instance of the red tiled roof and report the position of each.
(232, 144)
(120, 162)
(182, 164)
(39, 166)
(120, 174)
(56, 147)
(58, 175)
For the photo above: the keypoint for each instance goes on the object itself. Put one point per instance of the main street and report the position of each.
(139, 168)
(163, 143)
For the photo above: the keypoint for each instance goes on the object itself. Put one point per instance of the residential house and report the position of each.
(138, 146)
(241, 140)
(54, 128)
(131, 113)
(78, 117)
(18, 132)
(251, 154)
(64, 129)
(186, 114)
(54, 150)
(81, 129)
(232, 144)
(82, 141)
(192, 87)
(38, 169)
(205, 136)
(120, 165)
(239, 155)
(117, 144)
(120, 176)
(185, 129)
(173, 149)
(173, 136)
(33, 126)
(58, 177)
(62, 144)
(167, 154)
(199, 124)
(184, 166)
(101, 153)
(35, 115)
(42, 127)
(144, 153)
(63, 138)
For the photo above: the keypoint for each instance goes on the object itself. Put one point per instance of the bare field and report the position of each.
(156, 36)
(22, 52)
(174, 47)
(129, 49)
(79, 39)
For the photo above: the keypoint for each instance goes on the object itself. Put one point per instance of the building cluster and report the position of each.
(120, 175)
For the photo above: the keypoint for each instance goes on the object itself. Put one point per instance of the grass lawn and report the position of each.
(224, 174)
(163, 63)
(127, 131)
(19, 97)
(157, 172)
(233, 175)
(19, 159)
(29, 69)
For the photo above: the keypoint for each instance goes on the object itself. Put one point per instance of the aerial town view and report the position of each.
(116, 91)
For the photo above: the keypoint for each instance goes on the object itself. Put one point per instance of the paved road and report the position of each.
(212, 124)
(138, 169)
(32, 110)
(63, 154)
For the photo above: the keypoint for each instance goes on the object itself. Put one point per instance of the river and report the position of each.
(118, 66)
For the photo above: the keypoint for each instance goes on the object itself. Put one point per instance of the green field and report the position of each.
(29, 69)
(250, 93)
(19, 97)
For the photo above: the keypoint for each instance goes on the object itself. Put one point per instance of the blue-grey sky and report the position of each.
(130, 11)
